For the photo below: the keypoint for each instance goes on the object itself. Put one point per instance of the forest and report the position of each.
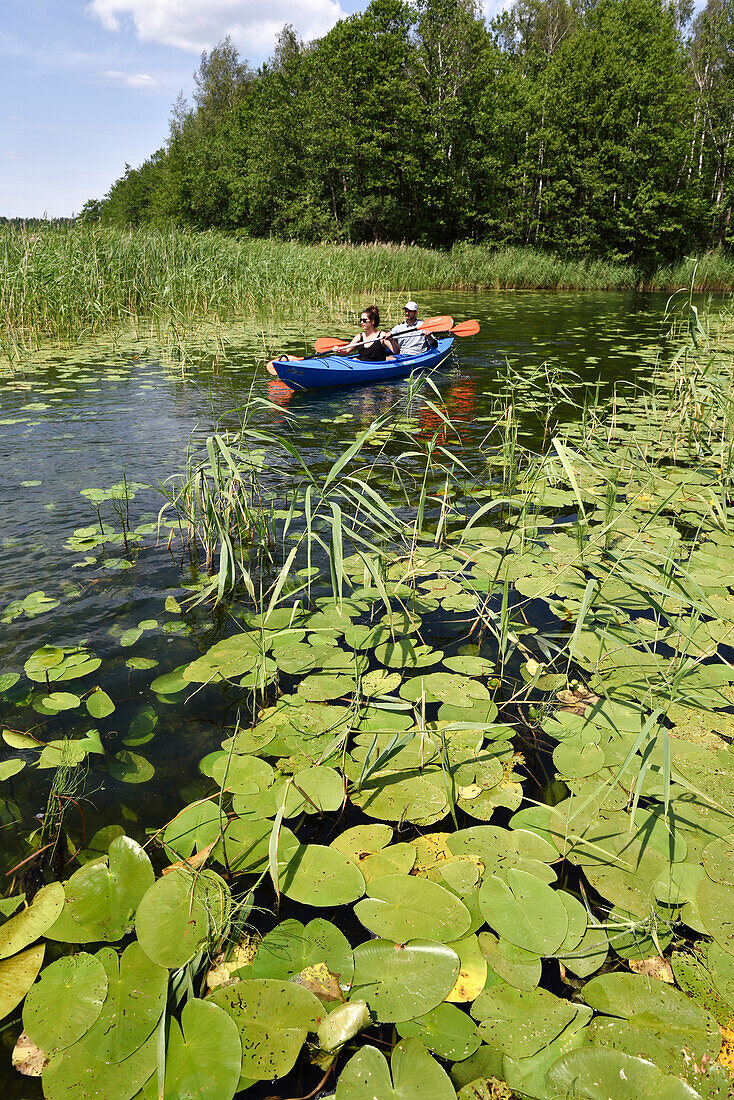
(600, 129)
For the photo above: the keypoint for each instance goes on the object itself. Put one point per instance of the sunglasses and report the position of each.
(363, 320)
(410, 311)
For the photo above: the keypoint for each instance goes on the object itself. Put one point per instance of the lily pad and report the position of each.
(64, 1004)
(415, 1075)
(402, 907)
(521, 1023)
(136, 995)
(524, 911)
(291, 948)
(102, 896)
(321, 876)
(595, 1073)
(445, 1030)
(17, 975)
(73, 1074)
(25, 927)
(180, 913)
(402, 981)
(273, 1019)
(204, 1054)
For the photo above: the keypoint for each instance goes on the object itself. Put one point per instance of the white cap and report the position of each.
(413, 306)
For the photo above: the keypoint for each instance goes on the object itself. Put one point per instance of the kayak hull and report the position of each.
(347, 370)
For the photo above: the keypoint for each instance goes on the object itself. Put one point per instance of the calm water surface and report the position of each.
(80, 424)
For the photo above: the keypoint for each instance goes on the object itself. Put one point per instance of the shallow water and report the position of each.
(86, 419)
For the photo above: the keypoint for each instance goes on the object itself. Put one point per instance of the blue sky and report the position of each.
(87, 86)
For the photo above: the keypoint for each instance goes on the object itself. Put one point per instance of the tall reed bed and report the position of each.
(66, 284)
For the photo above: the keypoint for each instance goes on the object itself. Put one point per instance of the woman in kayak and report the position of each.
(371, 344)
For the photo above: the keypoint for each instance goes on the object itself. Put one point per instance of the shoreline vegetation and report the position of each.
(64, 285)
(485, 829)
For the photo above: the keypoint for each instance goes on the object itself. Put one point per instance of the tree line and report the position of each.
(600, 128)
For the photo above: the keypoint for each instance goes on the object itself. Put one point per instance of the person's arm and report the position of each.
(390, 342)
(353, 343)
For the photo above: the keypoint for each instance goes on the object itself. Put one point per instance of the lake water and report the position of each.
(85, 420)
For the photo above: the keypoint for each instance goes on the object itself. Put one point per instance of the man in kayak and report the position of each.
(410, 339)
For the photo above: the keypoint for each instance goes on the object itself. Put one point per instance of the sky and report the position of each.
(87, 86)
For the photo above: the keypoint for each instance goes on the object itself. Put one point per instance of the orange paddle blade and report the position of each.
(436, 324)
(328, 343)
(466, 328)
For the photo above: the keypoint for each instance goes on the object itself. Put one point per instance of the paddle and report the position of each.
(431, 324)
(465, 328)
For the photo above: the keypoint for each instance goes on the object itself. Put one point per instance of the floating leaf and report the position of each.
(136, 995)
(415, 1075)
(653, 1020)
(321, 876)
(64, 1004)
(595, 1073)
(291, 948)
(402, 907)
(194, 828)
(445, 1030)
(273, 1019)
(204, 1054)
(524, 911)
(99, 704)
(17, 975)
(102, 896)
(74, 1075)
(129, 767)
(179, 914)
(28, 925)
(518, 1022)
(402, 981)
(9, 768)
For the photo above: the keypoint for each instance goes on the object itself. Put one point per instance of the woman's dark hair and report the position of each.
(374, 315)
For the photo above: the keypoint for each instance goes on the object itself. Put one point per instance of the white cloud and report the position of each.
(130, 80)
(199, 24)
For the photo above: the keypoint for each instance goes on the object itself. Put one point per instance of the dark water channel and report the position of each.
(82, 423)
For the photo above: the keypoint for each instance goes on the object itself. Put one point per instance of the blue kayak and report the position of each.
(348, 370)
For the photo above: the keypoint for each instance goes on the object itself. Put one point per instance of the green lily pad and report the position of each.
(204, 1054)
(73, 1074)
(273, 1019)
(392, 796)
(102, 896)
(17, 975)
(524, 911)
(362, 841)
(67, 1000)
(415, 1075)
(194, 828)
(716, 906)
(651, 1019)
(514, 965)
(180, 913)
(521, 1023)
(25, 927)
(130, 767)
(247, 845)
(136, 995)
(718, 859)
(291, 948)
(402, 907)
(445, 1030)
(402, 981)
(99, 704)
(9, 768)
(226, 660)
(321, 876)
(596, 1073)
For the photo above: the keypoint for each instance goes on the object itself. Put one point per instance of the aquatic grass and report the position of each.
(178, 287)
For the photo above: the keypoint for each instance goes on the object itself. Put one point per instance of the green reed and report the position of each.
(65, 285)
